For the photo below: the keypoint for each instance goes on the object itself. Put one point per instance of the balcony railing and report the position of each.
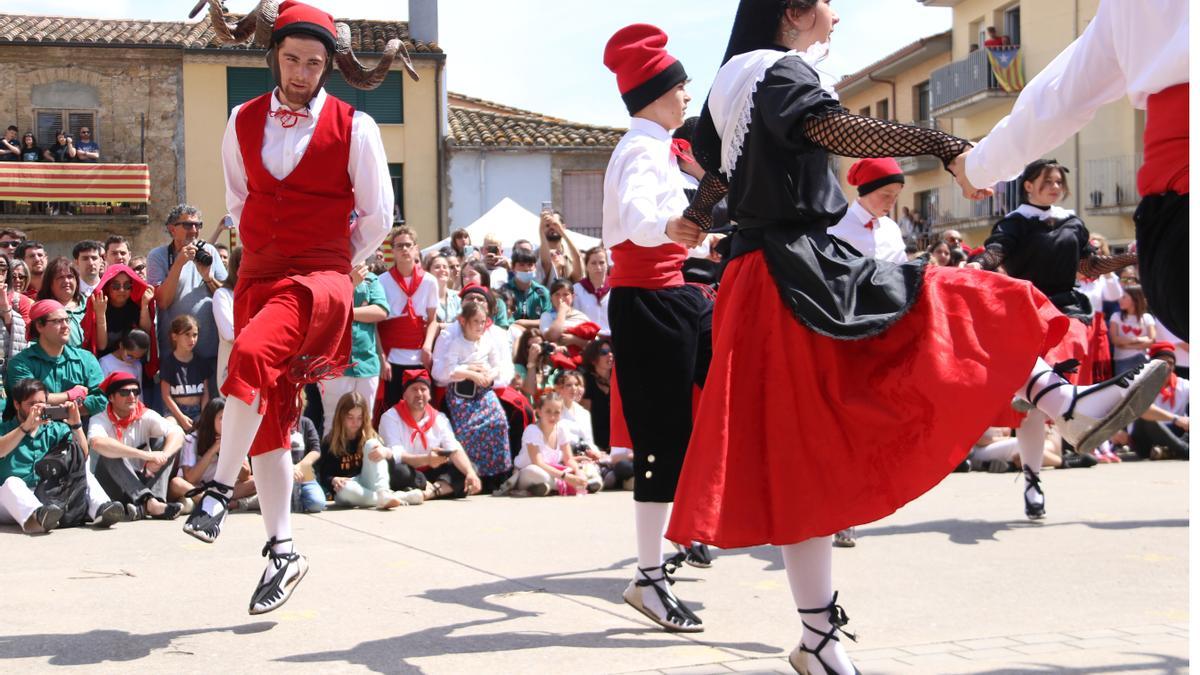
(962, 80)
(1111, 182)
(951, 210)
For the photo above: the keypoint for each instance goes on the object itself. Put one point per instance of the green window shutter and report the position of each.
(243, 84)
(386, 103)
(336, 87)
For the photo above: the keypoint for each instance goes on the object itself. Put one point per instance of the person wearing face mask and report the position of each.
(533, 299)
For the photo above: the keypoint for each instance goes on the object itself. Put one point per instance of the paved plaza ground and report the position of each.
(957, 582)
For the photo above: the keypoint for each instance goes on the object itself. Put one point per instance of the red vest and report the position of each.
(301, 223)
(1165, 168)
(643, 267)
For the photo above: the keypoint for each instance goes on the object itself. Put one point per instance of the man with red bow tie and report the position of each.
(298, 162)
(421, 446)
(866, 225)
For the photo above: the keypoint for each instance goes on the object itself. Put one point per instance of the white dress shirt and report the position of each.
(643, 187)
(426, 299)
(596, 310)
(1132, 47)
(398, 436)
(284, 147)
(1106, 288)
(884, 242)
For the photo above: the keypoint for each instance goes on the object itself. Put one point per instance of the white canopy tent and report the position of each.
(509, 221)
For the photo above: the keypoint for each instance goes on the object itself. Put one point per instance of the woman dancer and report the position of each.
(1049, 246)
(802, 322)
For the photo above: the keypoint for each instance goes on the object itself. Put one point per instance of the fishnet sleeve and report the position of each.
(992, 258)
(849, 135)
(712, 189)
(1095, 265)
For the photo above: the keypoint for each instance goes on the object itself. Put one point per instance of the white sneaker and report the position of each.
(412, 497)
(385, 500)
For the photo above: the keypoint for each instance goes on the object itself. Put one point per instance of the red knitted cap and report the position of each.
(638, 55)
(299, 18)
(871, 174)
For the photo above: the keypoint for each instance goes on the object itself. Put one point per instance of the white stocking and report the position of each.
(1031, 441)
(809, 566)
(650, 521)
(273, 478)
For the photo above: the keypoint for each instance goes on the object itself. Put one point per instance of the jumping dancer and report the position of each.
(297, 162)
(1049, 247)
(802, 322)
(1135, 49)
(660, 325)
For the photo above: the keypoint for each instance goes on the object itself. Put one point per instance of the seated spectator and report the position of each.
(547, 462)
(86, 149)
(32, 152)
(69, 373)
(468, 364)
(184, 375)
(116, 250)
(591, 293)
(14, 335)
(138, 449)
(370, 308)
(222, 309)
(63, 149)
(25, 438)
(1131, 330)
(10, 147)
(62, 284)
(532, 298)
(597, 370)
(198, 463)
(564, 324)
(351, 469)
(129, 355)
(122, 302)
(939, 254)
(997, 452)
(449, 304)
(307, 495)
(498, 267)
(34, 257)
(533, 365)
(420, 444)
(570, 387)
(557, 256)
(89, 263)
(1163, 431)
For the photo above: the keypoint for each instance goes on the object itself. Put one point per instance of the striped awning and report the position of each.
(74, 182)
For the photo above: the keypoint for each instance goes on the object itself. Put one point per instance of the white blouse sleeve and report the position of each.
(502, 344)
(223, 313)
(444, 361)
(1110, 288)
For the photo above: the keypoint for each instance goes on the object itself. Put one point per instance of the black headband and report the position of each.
(867, 188)
(648, 92)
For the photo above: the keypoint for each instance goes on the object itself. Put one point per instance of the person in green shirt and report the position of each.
(370, 307)
(533, 299)
(24, 440)
(69, 373)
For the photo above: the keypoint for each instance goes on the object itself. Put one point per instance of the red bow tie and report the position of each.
(872, 224)
(288, 117)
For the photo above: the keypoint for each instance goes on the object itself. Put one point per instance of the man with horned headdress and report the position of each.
(298, 163)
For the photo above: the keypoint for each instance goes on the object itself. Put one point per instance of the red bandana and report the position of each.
(288, 117)
(682, 149)
(417, 429)
(1167, 394)
(120, 425)
(872, 224)
(409, 289)
(587, 285)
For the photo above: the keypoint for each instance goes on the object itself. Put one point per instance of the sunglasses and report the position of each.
(133, 391)
(10, 244)
(190, 226)
(122, 287)
(20, 276)
(139, 268)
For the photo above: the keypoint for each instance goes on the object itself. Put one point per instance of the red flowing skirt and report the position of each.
(799, 435)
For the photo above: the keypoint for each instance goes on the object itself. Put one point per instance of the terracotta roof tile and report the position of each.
(474, 128)
(367, 35)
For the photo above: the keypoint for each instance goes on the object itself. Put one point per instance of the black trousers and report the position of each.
(125, 484)
(405, 477)
(1147, 434)
(1162, 242)
(662, 346)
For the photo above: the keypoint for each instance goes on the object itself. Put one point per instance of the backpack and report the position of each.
(63, 481)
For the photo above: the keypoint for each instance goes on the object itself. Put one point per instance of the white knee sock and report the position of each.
(1056, 400)
(1000, 450)
(273, 477)
(809, 566)
(1031, 441)
(650, 521)
(238, 429)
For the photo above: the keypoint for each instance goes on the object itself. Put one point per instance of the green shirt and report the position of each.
(20, 461)
(72, 368)
(364, 354)
(531, 302)
(75, 317)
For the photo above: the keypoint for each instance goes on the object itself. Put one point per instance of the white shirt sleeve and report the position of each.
(1110, 288)
(639, 183)
(445, 433)
(444, 362)
(235, 172)
(1055, 104)
(99, 427)
(373, 197)
(429, 287)
(223, 313)
(392, 431)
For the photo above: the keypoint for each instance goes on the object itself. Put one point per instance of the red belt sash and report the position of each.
(1165, 168)
(654, 268)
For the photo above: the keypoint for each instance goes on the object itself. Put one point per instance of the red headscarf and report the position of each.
(135, 296)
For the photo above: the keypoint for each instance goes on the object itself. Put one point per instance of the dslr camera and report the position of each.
(203, 257)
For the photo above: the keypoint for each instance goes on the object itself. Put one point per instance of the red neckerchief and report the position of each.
(871, 224)
(598, 292)
(418, 429)
(120, 425)
(410, 289)
(287, 117)
(682, 149)
(1167, 394)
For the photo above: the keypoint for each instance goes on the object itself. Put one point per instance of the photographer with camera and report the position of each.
(498, 266)
(558, 257)
(186, 272)
(421, 445)
(34, 431)
(138, 448)
(69, 373)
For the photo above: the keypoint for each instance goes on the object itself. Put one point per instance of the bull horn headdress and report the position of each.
(258, 27)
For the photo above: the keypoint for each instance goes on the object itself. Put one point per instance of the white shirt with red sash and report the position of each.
(404, 440)
(423, 299)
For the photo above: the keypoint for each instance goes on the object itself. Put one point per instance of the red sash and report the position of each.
(1165, 168)
(643, 267)
(421, 429)
(406, 331)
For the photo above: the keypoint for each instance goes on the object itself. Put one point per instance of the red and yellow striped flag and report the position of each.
(74, 182)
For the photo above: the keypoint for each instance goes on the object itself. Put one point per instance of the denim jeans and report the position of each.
(308, 497)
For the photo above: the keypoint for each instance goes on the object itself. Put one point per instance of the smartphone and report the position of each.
(57, 413)
(494, 250)
(227, 222)
(442, 452)
(547, 207)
